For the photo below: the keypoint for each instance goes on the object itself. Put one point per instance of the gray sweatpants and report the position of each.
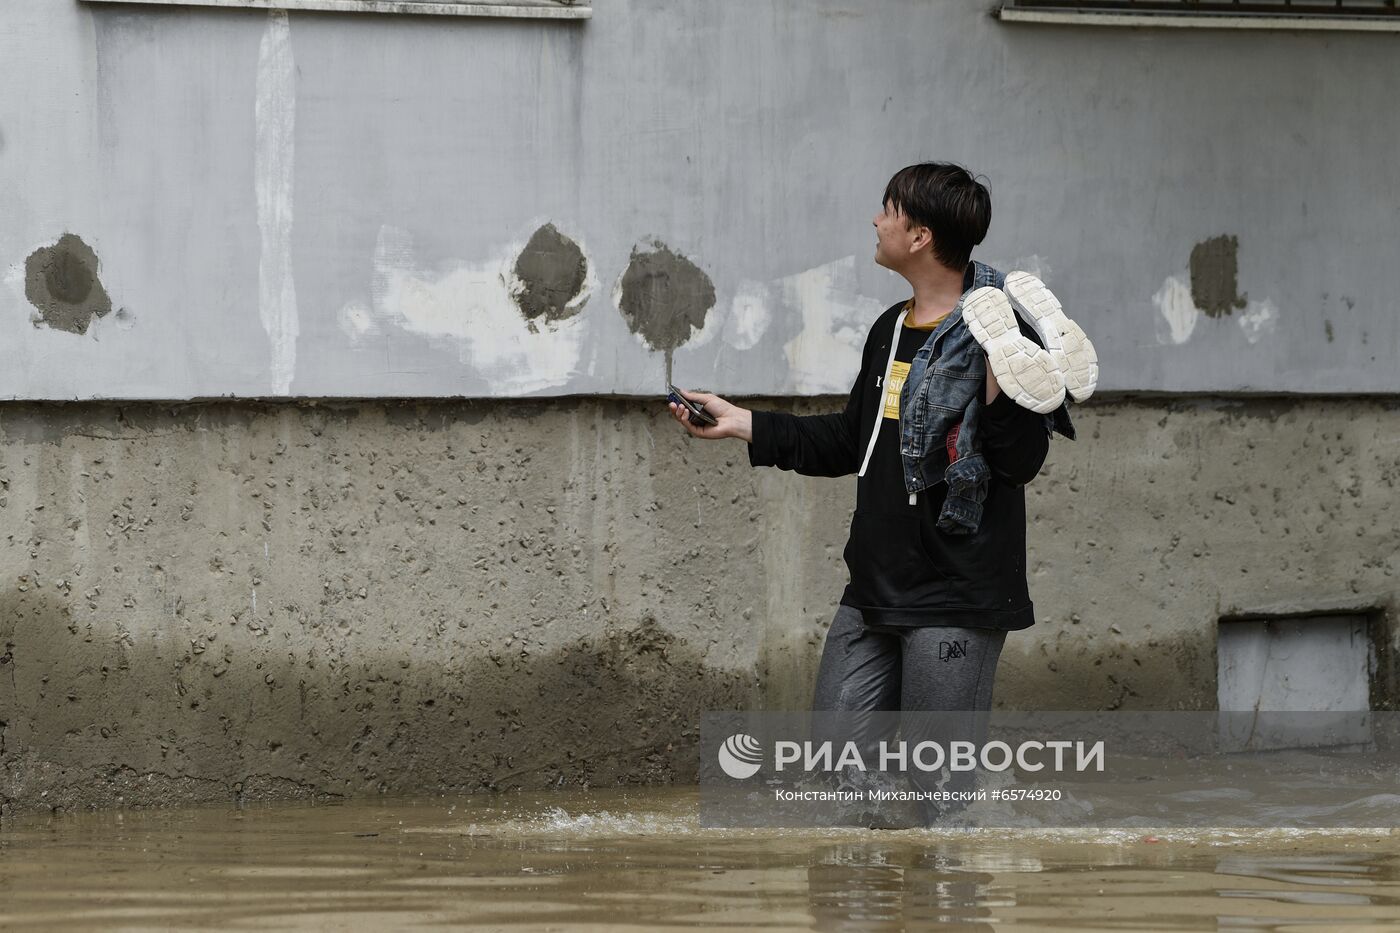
(868, 670)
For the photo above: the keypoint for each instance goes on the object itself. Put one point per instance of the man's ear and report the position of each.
(923, 239)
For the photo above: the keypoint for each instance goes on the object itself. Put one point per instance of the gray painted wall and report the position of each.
(333, 205)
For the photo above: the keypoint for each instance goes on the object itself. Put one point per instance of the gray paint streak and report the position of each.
(728, 134)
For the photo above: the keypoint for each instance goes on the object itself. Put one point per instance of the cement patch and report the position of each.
(61, 282)
(664, 298)
(1215, 276)
(551, 271)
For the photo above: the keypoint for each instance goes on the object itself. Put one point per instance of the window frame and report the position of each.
(1205, 14)
(510, 9)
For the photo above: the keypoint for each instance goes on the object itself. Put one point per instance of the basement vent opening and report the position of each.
(1318, 665)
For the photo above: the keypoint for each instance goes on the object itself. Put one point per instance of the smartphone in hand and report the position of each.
(698, 414)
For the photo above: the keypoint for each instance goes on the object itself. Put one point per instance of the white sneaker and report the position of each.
(1065, 339)
(1026, 372)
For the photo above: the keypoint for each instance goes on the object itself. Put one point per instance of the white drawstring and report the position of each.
(880, 411)
(884, 388)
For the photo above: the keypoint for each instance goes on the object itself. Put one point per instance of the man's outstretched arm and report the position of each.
(813, 445)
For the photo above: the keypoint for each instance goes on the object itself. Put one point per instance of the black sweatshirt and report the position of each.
(904, 571)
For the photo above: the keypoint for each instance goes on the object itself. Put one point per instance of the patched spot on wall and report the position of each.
(550, 275)
(61, 282)
(664, 297)
(1215, 285)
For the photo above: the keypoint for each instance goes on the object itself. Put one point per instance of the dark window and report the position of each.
(1377, 11)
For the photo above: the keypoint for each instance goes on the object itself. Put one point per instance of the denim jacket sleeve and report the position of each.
(1000, 438)
(966, 476)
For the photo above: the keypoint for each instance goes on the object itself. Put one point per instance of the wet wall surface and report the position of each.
(229, 601)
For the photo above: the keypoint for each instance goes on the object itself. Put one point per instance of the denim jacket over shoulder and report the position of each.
(945, 387)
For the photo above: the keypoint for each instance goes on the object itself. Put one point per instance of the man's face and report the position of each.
(894, 237)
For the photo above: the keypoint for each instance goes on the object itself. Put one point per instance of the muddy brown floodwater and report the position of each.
(639, 859)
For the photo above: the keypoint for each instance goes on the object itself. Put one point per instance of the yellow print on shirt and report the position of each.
(898, 373)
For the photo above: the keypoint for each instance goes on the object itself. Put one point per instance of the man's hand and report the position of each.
(732, 421)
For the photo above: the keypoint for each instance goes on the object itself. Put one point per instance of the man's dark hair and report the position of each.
(949, 201)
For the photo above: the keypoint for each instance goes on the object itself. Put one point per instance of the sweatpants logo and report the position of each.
(948, 650)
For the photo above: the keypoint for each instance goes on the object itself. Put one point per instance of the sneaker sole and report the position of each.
(1026, 372)
(1042, 310)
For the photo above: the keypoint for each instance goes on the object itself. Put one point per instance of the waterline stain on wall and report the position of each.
(61, 281)
(550, 275)
(663, 297)
(424, 587)
(1215, 285)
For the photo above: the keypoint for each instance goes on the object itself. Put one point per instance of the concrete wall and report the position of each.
(350, 205)
(223, 599)
(254, 598)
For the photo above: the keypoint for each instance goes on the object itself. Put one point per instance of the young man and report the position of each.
(949, 417)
